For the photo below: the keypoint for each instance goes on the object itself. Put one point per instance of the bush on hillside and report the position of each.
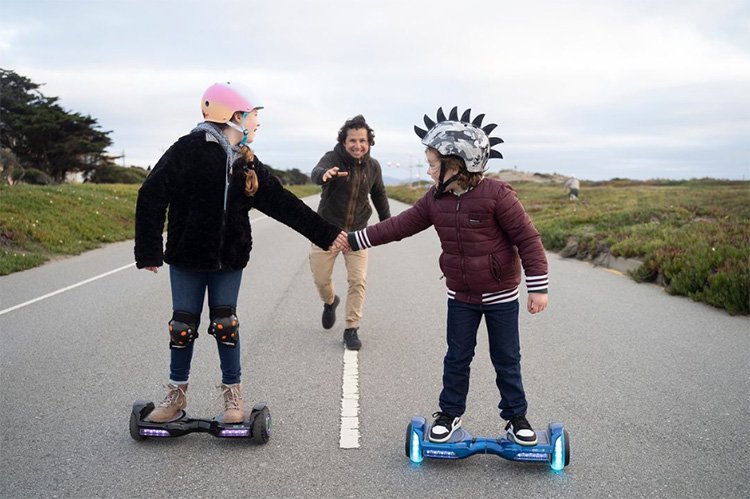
(112, 174)
(31, 176)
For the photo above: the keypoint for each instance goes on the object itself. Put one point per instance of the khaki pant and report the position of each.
(321, 264)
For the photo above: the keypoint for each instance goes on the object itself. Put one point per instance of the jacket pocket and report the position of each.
(476, 220)
(495, 269)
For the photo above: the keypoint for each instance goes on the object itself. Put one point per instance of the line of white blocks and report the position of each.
(349, 435)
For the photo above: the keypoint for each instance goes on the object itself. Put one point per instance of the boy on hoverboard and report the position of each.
(486, 237)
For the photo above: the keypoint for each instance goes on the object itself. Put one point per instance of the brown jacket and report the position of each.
(346, 201)
(485, 234)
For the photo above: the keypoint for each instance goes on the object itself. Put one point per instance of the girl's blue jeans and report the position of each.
(188, 291)
(505, 353)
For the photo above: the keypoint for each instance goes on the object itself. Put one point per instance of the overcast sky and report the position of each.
(600, 89)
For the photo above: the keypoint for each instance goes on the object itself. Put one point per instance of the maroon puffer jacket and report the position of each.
(482, 233)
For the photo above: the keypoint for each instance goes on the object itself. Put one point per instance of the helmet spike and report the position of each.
(488, 129)
(462, 137)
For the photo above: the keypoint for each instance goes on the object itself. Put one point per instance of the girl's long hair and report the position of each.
(251, 178)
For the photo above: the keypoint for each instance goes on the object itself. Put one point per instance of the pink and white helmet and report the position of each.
(221, 100)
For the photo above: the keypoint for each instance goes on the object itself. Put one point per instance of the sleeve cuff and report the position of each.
(353, 241)
(537, 283)
(358, 240)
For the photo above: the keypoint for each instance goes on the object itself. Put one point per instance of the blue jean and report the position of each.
(505, 353)
(188, 292)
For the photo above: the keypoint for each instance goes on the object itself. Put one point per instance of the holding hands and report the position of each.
(341, 243)
(332, 173)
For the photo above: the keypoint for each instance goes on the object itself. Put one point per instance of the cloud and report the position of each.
(600, 87)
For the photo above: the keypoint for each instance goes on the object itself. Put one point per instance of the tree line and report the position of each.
(42, 143)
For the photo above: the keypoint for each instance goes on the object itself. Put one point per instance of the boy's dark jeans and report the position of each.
(505, 353)
(188, 292)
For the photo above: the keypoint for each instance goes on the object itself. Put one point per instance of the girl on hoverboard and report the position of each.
(208, 181)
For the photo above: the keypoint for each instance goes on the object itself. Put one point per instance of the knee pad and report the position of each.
(225, 326)
(183, 329)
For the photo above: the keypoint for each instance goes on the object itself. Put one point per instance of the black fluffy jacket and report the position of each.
(208, 221)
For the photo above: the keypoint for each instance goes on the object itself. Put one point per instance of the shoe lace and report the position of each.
(442, 419)
(173, 396)
(231, 395)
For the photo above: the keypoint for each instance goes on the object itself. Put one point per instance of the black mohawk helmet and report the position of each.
(462, 137)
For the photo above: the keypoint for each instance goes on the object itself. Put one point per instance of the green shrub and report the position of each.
(31, 176)
(112, 174)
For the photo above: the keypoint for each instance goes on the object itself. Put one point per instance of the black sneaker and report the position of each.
(443, 427)
(520, 431)
(351, 340)
(329, 313)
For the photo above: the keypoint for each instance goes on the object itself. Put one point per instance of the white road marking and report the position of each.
(349, 435)
(48, 295)
(40, 298)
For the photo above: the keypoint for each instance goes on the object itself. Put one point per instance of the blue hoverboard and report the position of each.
(552, 447)
(256, 426)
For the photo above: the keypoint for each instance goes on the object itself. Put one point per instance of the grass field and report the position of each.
(692, 236)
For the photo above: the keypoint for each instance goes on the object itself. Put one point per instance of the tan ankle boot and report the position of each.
(172, 405)
(233, 410)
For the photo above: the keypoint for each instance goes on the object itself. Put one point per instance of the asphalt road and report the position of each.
(652, 388)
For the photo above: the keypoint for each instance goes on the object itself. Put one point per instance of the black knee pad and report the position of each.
(225, 326)
(183, 329)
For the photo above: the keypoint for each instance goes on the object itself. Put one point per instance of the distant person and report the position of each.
(350, 178)
(573, 186)
(207, 182)
(483, 229)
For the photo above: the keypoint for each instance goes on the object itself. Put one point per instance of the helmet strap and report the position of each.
(443, 184)
(240, 129)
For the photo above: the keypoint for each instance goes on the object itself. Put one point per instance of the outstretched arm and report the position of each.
(332, 173)
(405, 224)
(326, 169)
(280, 204)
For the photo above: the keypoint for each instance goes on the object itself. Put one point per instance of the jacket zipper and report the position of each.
(460, 242)
(356, 183)
(227, 177)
